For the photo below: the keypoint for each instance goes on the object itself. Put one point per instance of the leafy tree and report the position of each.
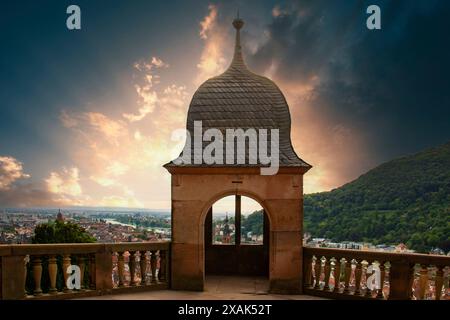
(61, 232)
(56, 232)
(253, 223)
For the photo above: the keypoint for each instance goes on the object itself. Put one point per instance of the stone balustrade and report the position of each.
(354, 274)
(36, 271)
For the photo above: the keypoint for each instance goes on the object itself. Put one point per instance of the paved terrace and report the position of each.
(216, 288)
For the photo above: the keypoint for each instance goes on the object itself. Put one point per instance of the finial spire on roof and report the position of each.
(238, 61)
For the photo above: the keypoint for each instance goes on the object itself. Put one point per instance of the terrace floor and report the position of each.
(216, 288)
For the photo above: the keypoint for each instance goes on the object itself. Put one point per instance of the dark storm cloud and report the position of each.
(391, 85)
(27, 195)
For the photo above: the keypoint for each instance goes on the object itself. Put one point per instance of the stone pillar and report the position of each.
(286, 254)
(401, 279)
(102, 269)
(187, 265)
(13, 277)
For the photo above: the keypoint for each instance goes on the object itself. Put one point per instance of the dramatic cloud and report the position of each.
(359, 97)
(11, 170)
(148, 96)
(124, 154)
(60, 190)
(65, 182)
(110, 129)
(212, 60)
(29, 195)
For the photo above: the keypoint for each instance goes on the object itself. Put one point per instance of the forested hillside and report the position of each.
(405, 200)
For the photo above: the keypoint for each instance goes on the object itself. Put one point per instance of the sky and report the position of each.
(86, 116)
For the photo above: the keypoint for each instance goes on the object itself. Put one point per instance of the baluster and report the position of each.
(445, 286)
(158, 265)
(332, 273)
(439, 281)
(317, 267)
(37, 274)
(415, 283)
(92, 271)
(162, 274)
(115, 269)
(358, 276)
(382, 275)
(430, 293)
(315, 272)
(363, 280)
(66, 264)
(153, 265)
(307, 271)
(352, 280)
(82, 265)
(143, 267)
(368, 291)
(52, 272)
(26, 260)
(423, 281)
(132, 266)
(327, 268)
(386, 285)
(347, 268)
(343, 266)
(121, 268)
(323, 261)
(337, 276)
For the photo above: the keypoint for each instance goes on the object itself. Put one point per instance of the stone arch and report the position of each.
(220, 195)
(232, 192)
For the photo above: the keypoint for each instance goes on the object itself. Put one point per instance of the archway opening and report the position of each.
(237, 238)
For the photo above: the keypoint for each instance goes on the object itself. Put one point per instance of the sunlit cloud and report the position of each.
(65, 182)
(11, 170)
(328, 146)
(118, 201)
(148, 97)
(111, 129)
(212, 60)
(123, 155)
(60, 189)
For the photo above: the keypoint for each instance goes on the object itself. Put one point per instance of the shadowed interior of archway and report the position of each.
(235, 257)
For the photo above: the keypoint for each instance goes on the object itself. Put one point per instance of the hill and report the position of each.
(405, 200)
